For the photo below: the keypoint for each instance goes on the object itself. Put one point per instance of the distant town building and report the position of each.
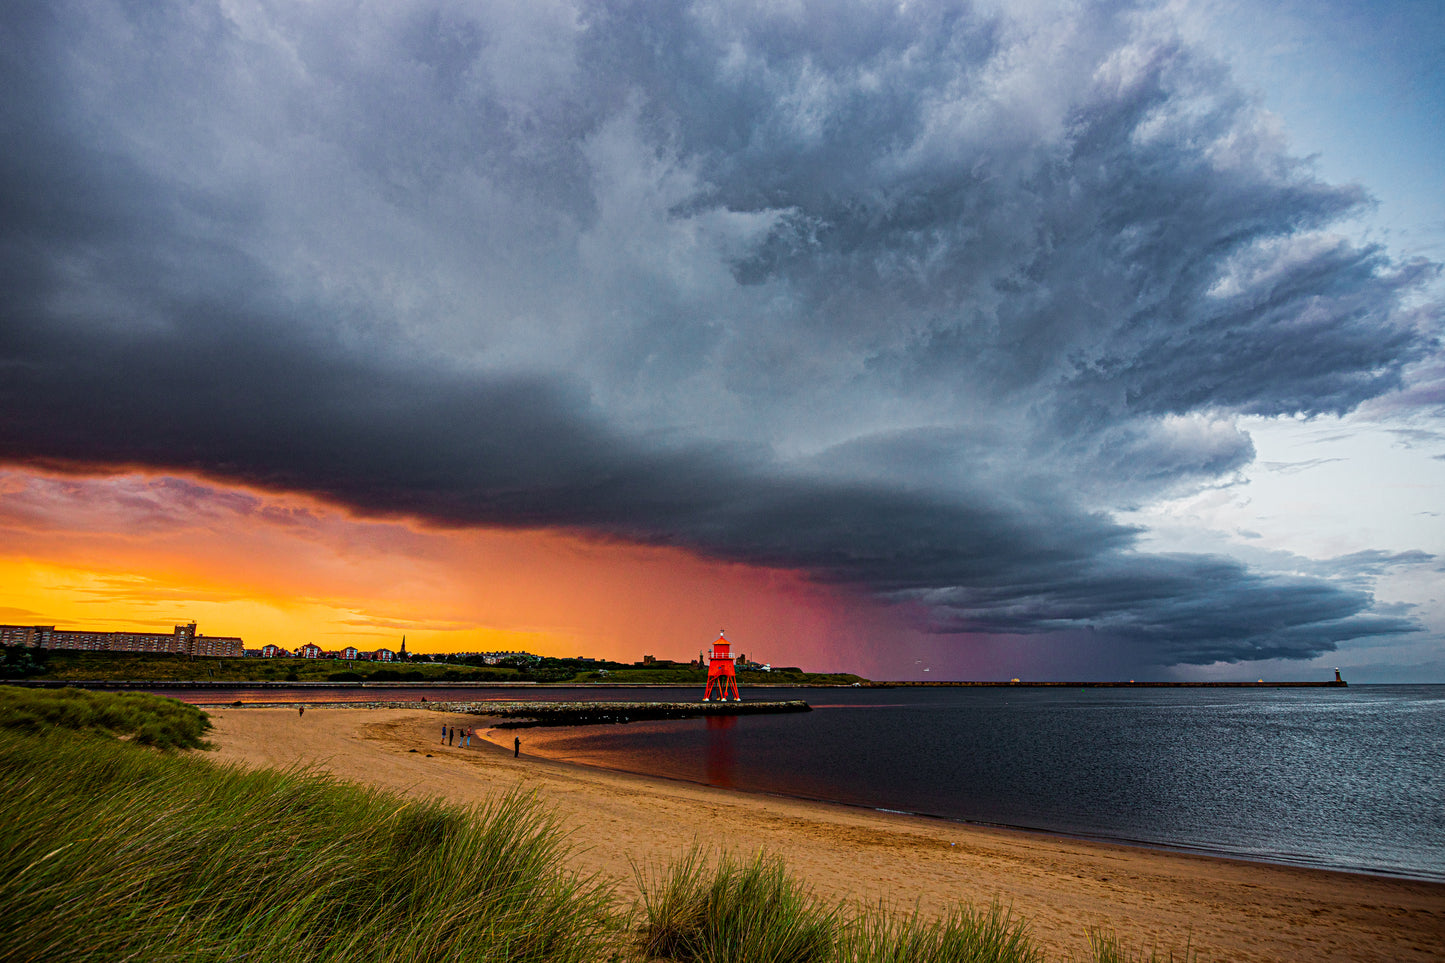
(310, 651)
(487, 658)
(273, 651)
(350, 653)
(383, 655)
(185, 640)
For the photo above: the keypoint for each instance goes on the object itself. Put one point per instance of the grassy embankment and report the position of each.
(156, 667)
(159, 667)
(117, 851)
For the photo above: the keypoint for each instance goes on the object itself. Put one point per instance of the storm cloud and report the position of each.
(912, 300)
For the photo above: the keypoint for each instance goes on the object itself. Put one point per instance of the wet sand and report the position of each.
(1224, 909)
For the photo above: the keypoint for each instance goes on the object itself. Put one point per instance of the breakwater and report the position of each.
(525, 714)
(522, 714)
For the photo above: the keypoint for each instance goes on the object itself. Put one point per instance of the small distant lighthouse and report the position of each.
(721, 673)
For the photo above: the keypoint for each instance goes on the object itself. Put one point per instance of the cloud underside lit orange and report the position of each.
(144, 552)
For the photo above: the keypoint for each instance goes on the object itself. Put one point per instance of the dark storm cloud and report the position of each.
(1141, 262)
(1186, 608)
(906, 299)
(447, 448)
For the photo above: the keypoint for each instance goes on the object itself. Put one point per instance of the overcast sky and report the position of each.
(1067, 327)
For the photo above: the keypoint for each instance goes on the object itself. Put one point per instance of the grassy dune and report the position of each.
(145, 719)
(114, 851)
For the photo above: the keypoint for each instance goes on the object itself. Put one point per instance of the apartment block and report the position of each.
(183, 641)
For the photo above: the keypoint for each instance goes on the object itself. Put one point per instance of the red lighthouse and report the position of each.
(721, 673)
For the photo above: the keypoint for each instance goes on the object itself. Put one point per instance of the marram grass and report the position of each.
(1105, 947)
(966, 935)
(147, 719)
(751, 911)
(110, 851)
(739, 911)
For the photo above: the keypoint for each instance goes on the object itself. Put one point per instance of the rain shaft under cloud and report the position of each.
(908, 298)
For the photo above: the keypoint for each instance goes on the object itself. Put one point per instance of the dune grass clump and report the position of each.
(735, 912)
(741, 911)
(114, 852)
(965, 935)
(1105, 947)
(146, 719)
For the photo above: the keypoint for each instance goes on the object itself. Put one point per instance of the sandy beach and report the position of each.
(1224, 909)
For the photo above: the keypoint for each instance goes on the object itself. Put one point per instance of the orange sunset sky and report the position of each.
(144, 552)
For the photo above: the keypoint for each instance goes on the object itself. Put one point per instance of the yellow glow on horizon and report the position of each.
(39, 593)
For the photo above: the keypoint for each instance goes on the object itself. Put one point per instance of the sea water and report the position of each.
(1336, 778)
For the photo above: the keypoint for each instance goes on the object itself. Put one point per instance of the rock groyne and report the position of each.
(592, 713)
(526, 714)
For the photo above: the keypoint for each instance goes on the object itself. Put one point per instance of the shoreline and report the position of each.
(516, 716)
(1224, 908)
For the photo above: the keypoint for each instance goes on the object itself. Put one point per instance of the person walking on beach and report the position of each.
(451, 734)
(444, 734)
(516, 747)
(300, 711)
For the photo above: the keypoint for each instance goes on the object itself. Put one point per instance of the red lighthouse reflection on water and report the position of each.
(722, 675)
(720, 754)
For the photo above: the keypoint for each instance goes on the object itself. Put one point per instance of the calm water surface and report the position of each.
(1339, 778)
(1347, 779)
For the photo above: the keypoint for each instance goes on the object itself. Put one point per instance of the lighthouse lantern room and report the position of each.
(722, 675)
